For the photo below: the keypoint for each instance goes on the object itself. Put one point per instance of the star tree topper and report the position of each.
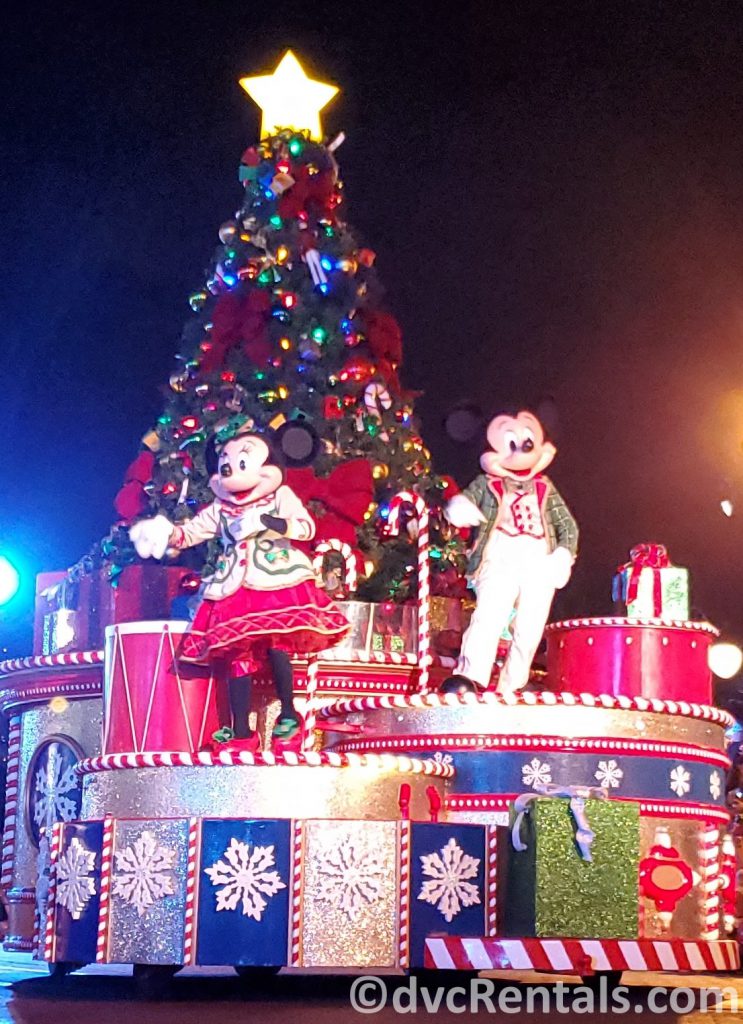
(289, 99)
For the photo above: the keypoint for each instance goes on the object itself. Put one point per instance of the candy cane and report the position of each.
(310, 708)
(424, 576)
(346, 552)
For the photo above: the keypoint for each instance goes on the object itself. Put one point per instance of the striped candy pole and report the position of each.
(11, 801)
(709, 856)
(310, 708)
(424, 575)
(295, 953)
(101, 950)
(189, 947)
(403, 949)
(348, 556)
(55, 846)
(491, 880)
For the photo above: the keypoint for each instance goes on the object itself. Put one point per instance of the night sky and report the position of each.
(554, 192)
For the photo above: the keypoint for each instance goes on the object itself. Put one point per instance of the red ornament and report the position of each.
(332, 408)
(251, 157)
(665, 878)
(358, 369)
(366, 257)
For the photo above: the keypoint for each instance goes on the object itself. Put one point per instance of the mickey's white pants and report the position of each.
(515, 572)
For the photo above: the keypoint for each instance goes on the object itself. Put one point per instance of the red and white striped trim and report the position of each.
(104, 912)
(74, 659)
(403, 944)
(295, 935)
(709, 858)
(500, 802)
(426, 701)
(55, 845)
(618, 620)
(11, 801)
(189, 912)
(478, 742)
(310, 710)
(491, 880)
(314, 759)
(579, 956)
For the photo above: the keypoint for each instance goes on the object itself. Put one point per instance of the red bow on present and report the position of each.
(239, 318)
(132, 497)
(646, 556)
(345, 496)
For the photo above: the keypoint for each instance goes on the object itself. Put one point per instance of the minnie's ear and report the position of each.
(298, 442)
(211, 456)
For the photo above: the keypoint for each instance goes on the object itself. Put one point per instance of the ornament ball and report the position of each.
(228, 232)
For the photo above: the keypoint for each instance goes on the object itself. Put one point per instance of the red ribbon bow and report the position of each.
(239, 318)
(345, 494)
(646, 556)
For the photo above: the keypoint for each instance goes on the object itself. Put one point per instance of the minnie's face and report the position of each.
(518, 448)
(244, 472)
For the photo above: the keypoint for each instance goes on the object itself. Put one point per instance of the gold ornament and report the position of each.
(289, 99)
(380, 471)
(228, 232)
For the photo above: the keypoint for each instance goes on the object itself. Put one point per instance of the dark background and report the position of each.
(554, 192)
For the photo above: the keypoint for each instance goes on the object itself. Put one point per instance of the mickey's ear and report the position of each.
(211, 456)
(298, 443)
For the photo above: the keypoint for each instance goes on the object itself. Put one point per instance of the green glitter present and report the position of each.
(551, 892)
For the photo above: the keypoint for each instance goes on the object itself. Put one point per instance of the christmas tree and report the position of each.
(289, 329)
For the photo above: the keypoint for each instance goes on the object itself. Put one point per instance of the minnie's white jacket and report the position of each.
(252, 556)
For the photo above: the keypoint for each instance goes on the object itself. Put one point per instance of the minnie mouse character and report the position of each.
(524, 550)
(263, 601)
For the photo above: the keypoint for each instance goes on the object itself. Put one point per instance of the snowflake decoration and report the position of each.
(245, 878)
(715, 785)
(609, 774)
(353, 879)
(536, 773)
(448, 889)
(74, 884)
(680, 780)
(441, 758)
(143, 873)
(56, 792)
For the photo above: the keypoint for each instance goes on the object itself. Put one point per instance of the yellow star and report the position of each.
(289, 99)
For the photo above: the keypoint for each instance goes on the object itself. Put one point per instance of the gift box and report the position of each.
(382, 628)
(74, 616)
(552, 891)
(650, 587)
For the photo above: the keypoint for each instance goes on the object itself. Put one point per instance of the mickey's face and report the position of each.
(518, 448)
(243, 473)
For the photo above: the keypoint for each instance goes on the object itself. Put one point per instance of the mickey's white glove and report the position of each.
(461, 512)
(561, 564)
(150, 536)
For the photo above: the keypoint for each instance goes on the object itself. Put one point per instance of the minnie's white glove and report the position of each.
(561, 564)
(462, 512)
(150, 536)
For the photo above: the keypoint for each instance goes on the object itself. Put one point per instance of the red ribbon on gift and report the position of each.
(646, 556)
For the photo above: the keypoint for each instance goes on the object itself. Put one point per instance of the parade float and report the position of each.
(416, 819)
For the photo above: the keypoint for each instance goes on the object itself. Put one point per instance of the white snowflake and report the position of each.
(715, 785)
(74, 884)
(52, 784)
(352, 878)
(244, 876)
(448, 889)
(441, 758)
(536, 773)
(609, 774)
(143, 872)
(680, 780)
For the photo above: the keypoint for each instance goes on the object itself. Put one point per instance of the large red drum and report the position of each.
(631, 658)
(150, 702)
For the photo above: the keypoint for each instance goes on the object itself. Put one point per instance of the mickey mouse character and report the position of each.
(263, 601)
(524, 550)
